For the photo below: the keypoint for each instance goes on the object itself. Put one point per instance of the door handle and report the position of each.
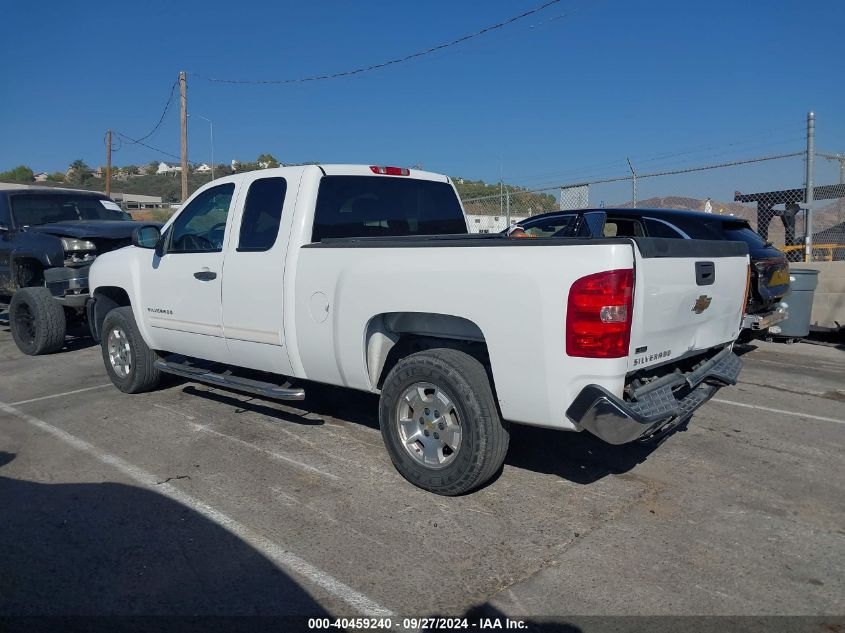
(205, 275)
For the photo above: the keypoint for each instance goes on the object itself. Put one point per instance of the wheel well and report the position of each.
(107, 299)
(395, 335)
(29, 272)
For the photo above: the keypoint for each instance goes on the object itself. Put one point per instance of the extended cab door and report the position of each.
(253, 283)
(180, 288)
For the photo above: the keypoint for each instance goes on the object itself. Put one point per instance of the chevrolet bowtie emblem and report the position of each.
(701, 304)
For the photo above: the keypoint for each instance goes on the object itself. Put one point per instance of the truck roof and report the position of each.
(342, 169)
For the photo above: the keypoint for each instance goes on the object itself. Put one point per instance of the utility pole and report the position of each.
(183, 100)
(633, 182)
(808, 196)
(108, 163)
(508, 208)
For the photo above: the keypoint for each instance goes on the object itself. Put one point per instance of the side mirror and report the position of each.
(146, 236)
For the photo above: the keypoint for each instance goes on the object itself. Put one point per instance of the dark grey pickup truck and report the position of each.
(48, 240)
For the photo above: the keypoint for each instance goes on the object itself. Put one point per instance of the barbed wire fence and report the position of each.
(770, 192)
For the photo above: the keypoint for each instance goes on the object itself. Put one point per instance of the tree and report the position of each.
(56, 176)
(21, 173)
(78, 172)
(152, 167)
(266, 161)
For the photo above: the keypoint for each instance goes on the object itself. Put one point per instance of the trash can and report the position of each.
(799, 301)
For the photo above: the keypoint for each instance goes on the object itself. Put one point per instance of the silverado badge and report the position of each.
(701, 304)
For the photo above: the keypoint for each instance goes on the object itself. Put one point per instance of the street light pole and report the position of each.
(211, 131)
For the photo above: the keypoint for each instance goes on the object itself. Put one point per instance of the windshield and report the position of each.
(35, 210)
(371, 206)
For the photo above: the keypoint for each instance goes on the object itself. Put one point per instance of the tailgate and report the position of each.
(689, 296)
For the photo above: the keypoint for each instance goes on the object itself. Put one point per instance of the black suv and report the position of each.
(48, 239)
(769, 266)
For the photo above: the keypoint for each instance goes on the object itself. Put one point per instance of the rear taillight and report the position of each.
(390, 171)
(598, 315)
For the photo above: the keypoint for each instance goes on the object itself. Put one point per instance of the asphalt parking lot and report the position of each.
(193, 500)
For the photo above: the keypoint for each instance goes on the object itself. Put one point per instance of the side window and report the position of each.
(656, 228)
(200, 227)
(262, 214)
(623, 227)
(555, 226)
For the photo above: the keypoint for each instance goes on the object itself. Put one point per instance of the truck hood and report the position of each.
(86, 229)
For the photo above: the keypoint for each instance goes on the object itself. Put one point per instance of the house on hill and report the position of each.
(201, 169)
(167, 168)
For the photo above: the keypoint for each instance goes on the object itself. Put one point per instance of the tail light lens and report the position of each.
(598, 315)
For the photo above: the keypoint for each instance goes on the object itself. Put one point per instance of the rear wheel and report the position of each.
(37, 321)
(129, 362)
(440, 423)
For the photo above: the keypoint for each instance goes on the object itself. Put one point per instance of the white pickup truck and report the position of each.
(365, 277)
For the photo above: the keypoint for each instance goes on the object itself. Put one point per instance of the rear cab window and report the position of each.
(373, 206)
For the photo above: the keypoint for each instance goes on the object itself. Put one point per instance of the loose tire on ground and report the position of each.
(129, 362)
(434, 377)
(37, 321)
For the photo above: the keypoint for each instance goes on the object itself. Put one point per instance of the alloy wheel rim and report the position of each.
(429, 426)
(120, 352)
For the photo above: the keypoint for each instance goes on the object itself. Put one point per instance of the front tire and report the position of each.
(130, 363)
(440, 423)
(37, 321)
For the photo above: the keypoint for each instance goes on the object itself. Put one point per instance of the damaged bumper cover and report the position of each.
(657, 407)
(68, 285)
(767, 319)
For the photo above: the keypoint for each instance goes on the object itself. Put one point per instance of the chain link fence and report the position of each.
(768, 191)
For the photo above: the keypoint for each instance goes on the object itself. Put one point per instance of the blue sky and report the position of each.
(561, 96)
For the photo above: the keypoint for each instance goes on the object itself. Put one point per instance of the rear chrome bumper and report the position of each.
(655, 410)
(767, 319)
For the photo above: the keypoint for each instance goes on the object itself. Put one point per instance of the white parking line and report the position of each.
(781, 411)
(59, 395)
(271, 550)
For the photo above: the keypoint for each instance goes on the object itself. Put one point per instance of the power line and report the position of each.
(163, 114)
(136, 141)
(391, 62)
(672, 172)
(698, 149)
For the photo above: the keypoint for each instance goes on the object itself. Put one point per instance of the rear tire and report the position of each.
(37, 321)
(440, 423)
(130, 363)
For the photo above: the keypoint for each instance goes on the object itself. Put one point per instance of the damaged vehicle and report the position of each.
(48, 241)
(769, 281)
